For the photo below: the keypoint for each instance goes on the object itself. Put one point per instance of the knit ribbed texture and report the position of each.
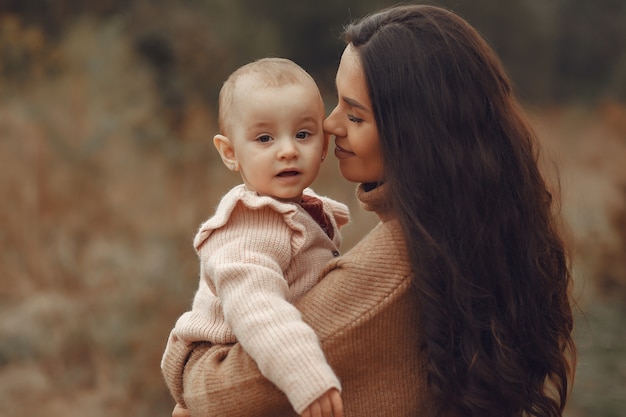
(366, 320)
(257, 256)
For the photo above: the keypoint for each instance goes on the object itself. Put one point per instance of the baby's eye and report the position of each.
(264, 138)
(302, 135)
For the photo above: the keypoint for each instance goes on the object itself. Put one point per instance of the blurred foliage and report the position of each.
(106, 170)
(555, 50)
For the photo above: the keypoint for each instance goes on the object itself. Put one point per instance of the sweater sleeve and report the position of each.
(344, 309)
(245, 262)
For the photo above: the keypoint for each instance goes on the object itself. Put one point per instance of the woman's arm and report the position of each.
(224, 381)
(359, 311)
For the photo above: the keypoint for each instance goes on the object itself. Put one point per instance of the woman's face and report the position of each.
(353, 125)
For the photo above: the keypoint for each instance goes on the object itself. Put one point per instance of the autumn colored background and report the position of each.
(106, 170)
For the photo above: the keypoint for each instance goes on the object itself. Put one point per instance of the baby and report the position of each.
(271, 236)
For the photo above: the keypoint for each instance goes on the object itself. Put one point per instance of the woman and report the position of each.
(457, 303)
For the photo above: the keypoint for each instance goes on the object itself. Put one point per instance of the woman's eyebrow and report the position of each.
(354, 103)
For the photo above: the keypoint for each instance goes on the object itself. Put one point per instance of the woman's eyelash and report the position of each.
(354, 119)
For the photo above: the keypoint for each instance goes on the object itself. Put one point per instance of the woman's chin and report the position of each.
(352, 176)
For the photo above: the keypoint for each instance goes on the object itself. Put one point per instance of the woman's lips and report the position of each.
(341, 153)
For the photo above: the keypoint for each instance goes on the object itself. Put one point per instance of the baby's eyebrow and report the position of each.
(308, 119)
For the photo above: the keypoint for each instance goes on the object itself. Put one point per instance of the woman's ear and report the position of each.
(225, 147)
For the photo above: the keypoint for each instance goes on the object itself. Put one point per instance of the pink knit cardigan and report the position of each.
(257, 256)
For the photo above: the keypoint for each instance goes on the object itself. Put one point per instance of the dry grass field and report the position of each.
(100, 197)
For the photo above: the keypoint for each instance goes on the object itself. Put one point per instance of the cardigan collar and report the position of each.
(375, 197)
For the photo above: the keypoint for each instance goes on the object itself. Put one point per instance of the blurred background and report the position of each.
(107, 110)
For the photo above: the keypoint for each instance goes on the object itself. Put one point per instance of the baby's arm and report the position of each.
(328, 405)
(245, 263)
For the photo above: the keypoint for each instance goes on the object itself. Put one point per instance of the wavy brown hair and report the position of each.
(490, 269)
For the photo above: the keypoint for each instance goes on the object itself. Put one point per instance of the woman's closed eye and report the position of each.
(354, 119)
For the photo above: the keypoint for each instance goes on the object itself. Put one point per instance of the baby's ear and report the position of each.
(326, 143)
(225, 147)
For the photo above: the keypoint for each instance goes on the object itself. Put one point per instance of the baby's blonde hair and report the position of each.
(268, 73)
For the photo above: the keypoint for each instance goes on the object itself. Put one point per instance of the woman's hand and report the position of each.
(179, 411)
(328, 404)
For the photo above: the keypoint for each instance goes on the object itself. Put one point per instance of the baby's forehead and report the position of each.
(253, 90)
(253, 82)
(250, 87)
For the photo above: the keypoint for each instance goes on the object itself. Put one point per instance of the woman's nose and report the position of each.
(332, 124)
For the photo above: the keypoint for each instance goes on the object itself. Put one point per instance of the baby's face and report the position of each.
(278, 138)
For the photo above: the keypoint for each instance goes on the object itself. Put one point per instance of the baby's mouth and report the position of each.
(288, 174)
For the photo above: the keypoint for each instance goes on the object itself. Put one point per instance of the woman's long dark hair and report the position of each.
(490, 269)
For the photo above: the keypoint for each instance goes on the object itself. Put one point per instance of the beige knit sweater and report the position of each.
(257, 256)
(365, 317)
